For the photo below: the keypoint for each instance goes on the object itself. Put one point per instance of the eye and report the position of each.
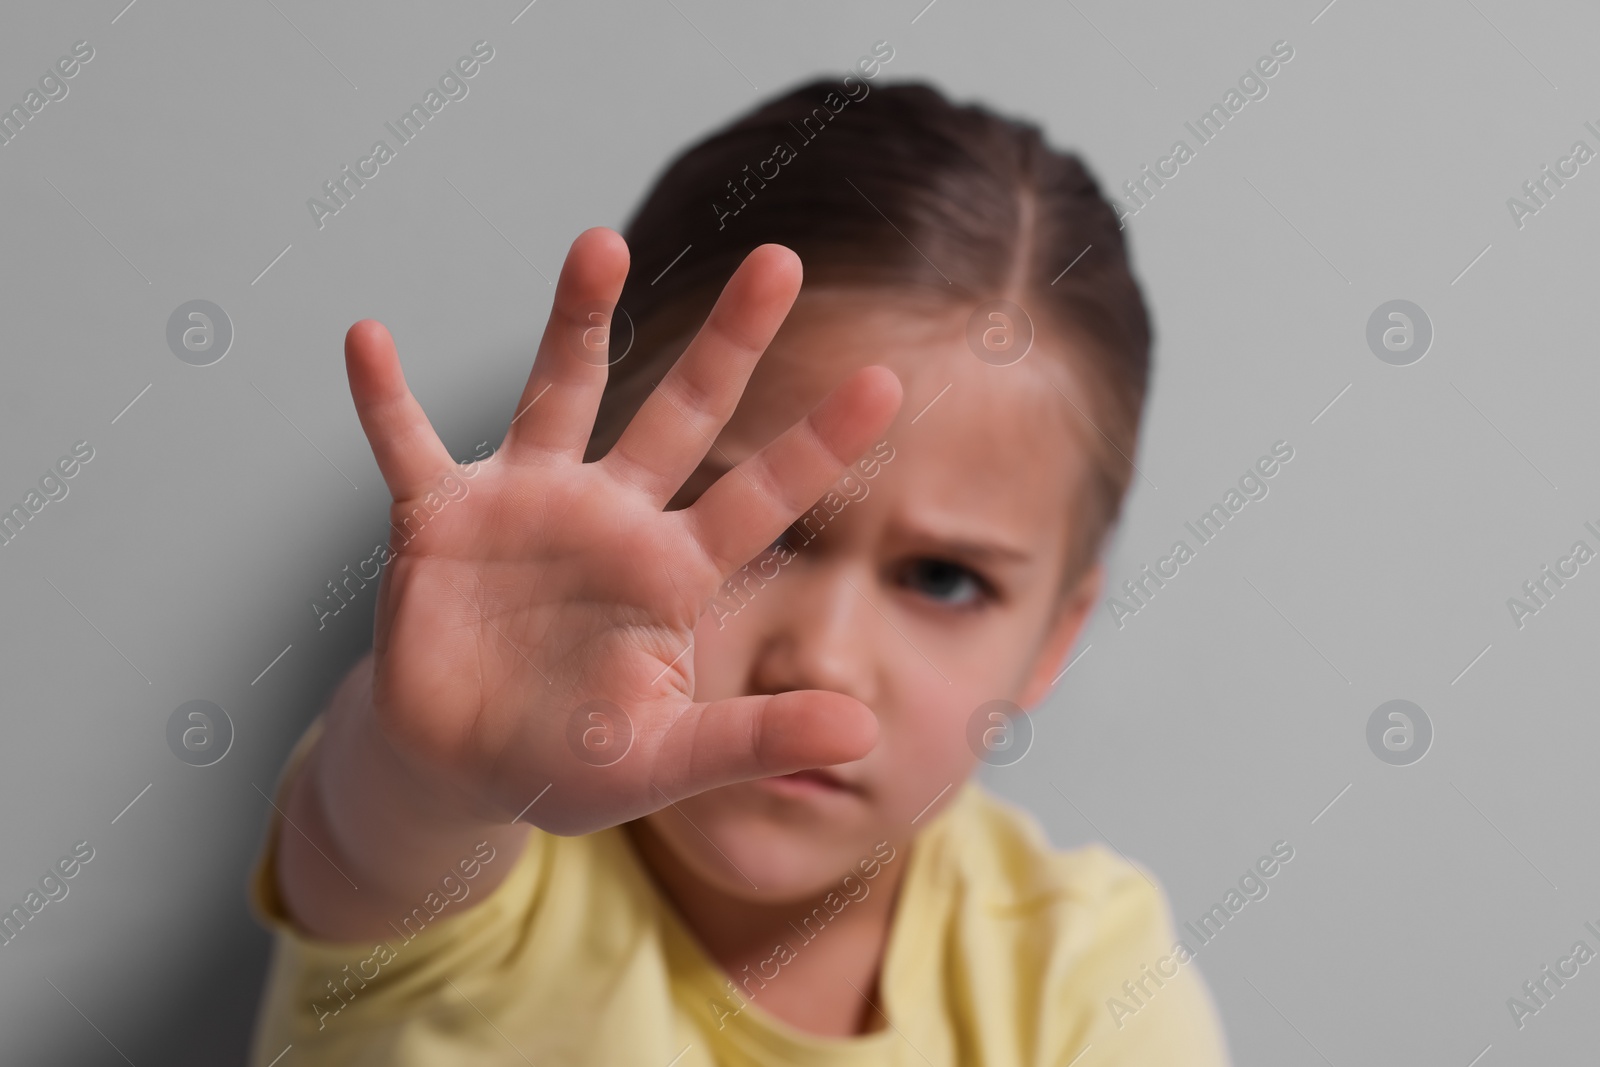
(947, 582)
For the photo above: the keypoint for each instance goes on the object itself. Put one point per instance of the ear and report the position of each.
(1063, 633)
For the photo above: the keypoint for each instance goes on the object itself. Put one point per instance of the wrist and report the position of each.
(373, 770)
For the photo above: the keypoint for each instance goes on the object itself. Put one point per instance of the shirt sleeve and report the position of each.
(1136, 996)
(358, 1003)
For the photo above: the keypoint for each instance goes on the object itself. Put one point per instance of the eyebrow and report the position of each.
(992, 551)
(711, 469)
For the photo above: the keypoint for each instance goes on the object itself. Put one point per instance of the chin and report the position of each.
(752, 846)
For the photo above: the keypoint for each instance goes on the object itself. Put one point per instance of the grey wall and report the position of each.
(1224, 716)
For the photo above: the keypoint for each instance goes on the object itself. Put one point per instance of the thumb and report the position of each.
(741, 738)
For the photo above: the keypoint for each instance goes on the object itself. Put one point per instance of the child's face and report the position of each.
(931, 586)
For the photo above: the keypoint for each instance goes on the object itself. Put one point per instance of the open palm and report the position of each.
(534, 639)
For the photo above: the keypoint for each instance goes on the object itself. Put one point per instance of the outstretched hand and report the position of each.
(537, 632)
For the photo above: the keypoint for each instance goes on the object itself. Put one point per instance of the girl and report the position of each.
(662, 752)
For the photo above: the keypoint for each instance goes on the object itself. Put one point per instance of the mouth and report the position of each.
(815, 782)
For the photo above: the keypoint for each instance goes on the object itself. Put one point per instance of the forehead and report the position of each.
(969, 437)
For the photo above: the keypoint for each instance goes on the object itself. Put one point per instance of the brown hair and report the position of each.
(873, 186)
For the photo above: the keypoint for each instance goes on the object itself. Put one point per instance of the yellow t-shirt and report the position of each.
(1002, 951)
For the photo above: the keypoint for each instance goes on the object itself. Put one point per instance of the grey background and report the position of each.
(1224, 717)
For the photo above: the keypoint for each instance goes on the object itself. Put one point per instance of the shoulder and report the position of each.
(1002, 861)
(1064, 930)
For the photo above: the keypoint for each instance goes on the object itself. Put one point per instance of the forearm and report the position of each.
(366, 837)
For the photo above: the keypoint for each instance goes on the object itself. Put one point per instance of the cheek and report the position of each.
(927, 746)
(931, 739)
(722, 654)
(995, 658)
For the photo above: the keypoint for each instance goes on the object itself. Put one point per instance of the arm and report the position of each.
(366, 836)
(532, 588)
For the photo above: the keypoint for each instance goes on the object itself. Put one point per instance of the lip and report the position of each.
(811, 783)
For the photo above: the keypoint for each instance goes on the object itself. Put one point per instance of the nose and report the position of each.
(820, 635)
